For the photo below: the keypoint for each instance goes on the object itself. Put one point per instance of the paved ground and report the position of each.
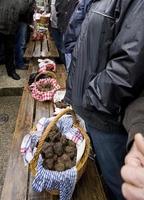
(9, 86)
(10, 95)
(8, 112)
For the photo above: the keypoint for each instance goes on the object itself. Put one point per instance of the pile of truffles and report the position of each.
(58, 152)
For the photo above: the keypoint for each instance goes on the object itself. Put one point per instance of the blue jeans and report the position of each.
(20, 44)
(110, 149)
(58, 38)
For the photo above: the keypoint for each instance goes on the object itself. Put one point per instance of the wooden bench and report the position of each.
(41, 49)
(18, 180)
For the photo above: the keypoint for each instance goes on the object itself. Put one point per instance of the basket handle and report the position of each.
(48, 129)
(49, 73)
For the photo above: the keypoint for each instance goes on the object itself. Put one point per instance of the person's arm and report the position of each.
(74, 26)
(58, 4)
(124, 73)
(134, 119)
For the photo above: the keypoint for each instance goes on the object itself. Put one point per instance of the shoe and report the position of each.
(22, 67)
(14, 75)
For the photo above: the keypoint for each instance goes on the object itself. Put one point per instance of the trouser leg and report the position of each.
(20, 44)
(110, 149)
(9, 44)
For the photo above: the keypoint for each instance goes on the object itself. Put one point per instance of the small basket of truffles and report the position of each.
(43, 89)
(61, 155)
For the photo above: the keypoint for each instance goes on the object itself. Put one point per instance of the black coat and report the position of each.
(107, 68)
(64, 10)
(10, 11)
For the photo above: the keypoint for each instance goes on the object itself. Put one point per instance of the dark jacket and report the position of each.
(26, 15)
(10, 11)
(134, 118)
(106, 72)
(64, 10)
(73, 30)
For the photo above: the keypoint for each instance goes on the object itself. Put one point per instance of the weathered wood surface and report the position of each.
(41, 49)
(18, 180)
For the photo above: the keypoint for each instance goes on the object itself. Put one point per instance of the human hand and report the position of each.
(133, 171)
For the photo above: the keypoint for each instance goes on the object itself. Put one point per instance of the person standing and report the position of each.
(9, 10)
(10, 15)
(105, 75)
(25, 19)
(133, 169)
(73, 29)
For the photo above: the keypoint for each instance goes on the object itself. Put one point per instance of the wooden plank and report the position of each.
(53, 52)
(45, 51)
(89, 186)
(15, 184)
(61, 75)
(37, 50)
(29, 49)
(41, 110)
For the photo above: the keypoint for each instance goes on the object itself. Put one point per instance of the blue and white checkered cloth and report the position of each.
(49, 180)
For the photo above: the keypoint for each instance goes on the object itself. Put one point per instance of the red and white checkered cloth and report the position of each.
(44, 95)
(46, 65)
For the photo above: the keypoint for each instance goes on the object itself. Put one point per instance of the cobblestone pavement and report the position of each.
(8, 112)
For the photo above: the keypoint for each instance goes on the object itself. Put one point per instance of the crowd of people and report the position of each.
(101, 43)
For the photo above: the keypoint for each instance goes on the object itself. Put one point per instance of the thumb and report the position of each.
(139, 142)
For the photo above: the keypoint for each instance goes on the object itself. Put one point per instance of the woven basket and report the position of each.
(81, 165)
(39, 90)
(47, 73)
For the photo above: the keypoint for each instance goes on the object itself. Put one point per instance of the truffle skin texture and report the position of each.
(58, 149)
(59, 167)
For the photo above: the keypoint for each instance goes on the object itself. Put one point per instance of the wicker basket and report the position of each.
(81, 165)
(49, 74)
(40, 90)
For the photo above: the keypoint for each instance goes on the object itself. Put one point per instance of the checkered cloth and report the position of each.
(46, 65)
(44, 95)
(49, 180)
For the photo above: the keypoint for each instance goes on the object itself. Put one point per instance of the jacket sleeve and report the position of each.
(58, 4)
(123, 76)
(134, 119)
(74, 27)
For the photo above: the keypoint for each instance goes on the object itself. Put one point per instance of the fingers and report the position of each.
(133, 175)
(133, 161)
(131, 192)
(133, 157)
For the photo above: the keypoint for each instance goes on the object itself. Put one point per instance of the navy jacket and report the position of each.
(74, 26)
